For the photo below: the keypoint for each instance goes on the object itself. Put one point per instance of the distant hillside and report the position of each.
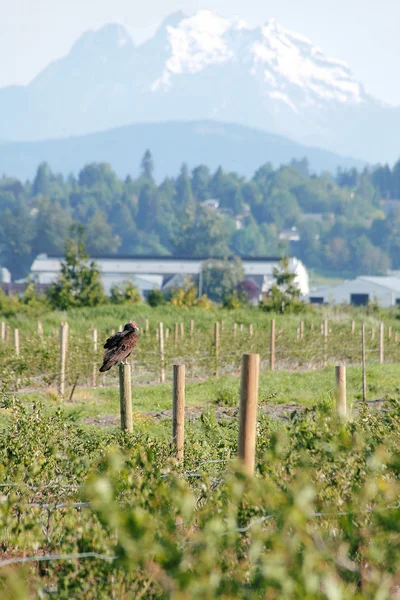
(201, 67)
(236, 148)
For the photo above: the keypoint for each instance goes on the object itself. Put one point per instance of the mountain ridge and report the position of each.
(203, 66)
(214, 143)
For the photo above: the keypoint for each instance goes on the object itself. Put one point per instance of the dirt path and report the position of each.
(222, 413)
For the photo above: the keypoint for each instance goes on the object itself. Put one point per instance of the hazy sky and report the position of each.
(364, 33)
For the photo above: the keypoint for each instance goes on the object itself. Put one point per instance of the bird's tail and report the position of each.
(105, 367)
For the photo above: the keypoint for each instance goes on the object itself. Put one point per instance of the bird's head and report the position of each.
(131, 326)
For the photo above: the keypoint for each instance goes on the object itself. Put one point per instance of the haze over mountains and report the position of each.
(197, 68)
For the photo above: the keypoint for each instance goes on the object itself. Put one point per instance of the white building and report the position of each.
(149, 272)
(5, 275)
(360, 291)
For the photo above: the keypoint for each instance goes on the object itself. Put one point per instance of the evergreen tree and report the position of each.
(79, 281)
(147, 165)
(183, 186)
(42, 182)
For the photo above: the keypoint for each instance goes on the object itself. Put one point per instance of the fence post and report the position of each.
(120, 328)
(272, 346)
(353, 327)
(64, 328)
(389, 333)
(176, 332)
(161, 350)
(3, 331)
(40, 330)
(16, 341)
(94, 370)
(182, 331)
(125, 397)
(234, 329)
(325, 331)
(364, 373)
(250, 329)
(381, 343)
(178, 410)
(241, 328)
(191, 327)
(301, 330)
(248, 410)
(216, 347)
(166, 334)
(146, 327)
(341, 407)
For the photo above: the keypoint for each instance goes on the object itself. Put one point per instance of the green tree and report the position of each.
(221, 277)
(79, 281)
(147, 165)
(52, 228)
(17, 232)
(183, 186)
(125, 293)
(42, 182)
(100, 237)
(202, 233)
(200, 182)
(284, 294)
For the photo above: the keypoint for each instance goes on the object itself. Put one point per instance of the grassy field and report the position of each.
(88, 511)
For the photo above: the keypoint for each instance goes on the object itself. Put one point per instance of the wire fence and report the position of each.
(37, 365)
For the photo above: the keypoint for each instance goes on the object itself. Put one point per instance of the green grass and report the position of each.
(304, 388)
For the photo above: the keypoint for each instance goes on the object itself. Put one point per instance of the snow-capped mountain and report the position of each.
(287, 66)
(203, 66)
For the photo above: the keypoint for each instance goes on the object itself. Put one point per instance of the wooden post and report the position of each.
(234, 329)
(241, 328)
(94, 370)
(125, 397)
(248, 410)
(176, 333)
(3, 331)
(364, 375)
(250, 330)
(341, 408)
(381, 343)
(40, 330)
(146, 327)
(222, 326)
(182, 331)
(112, 331)
(166, 333)
(161, 350)
(389, 333)
(298, 333)
(16, 341)
(191, 327)
(120, 328)
(353, 327)
(325, 342)
(272, 346)
(396, 338)
(178, 410)
(63, 357)
(301, 330)
(216, 348)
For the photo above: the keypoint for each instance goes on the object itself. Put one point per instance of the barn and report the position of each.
(161, 272)
(360, 292)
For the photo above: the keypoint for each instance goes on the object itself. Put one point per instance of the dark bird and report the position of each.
(119, 346)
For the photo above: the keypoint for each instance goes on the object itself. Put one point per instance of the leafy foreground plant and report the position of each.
(319, 520)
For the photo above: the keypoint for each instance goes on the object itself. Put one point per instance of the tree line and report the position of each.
(339, 219)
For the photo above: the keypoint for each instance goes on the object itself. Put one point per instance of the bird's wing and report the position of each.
(114, 340)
